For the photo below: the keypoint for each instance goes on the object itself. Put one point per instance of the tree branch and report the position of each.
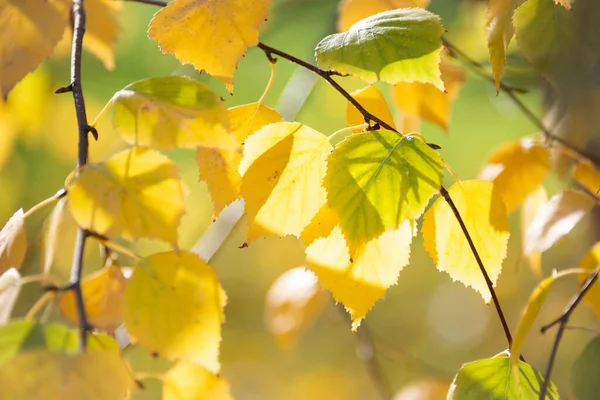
(562, 325)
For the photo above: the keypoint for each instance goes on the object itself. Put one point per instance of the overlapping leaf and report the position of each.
(484, 216)
(589, 263)
(173, 111)
(393, 46)
(557, 218)
(359, 280)
(188, 381)
(282, 170)
(36, 361)
(22, 46)
(211, 35)
(174, 308)
(102, 29)
(293, 302)
(426, 101)
(13, 242)
(517, 169)
(10, 287)
(588, 176)
(491, 379)
(531, 207)
(370, 98)
(352, 11)
(219, 167)
(377, 179)
(135, 193)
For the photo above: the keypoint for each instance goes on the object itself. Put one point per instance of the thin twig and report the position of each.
(82, 158)
(562, 325)
(512, 93)
(151, 2)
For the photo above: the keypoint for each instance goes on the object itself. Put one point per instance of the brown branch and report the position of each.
(151, 2)
(562, 325)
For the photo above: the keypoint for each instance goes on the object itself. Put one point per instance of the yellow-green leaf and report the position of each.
(135, 193)
(531, 207)
(219, 167)
(557, 218)
(352, 11)
(484, 215)
(377, 179)
(174, 308)
(293, 302)
(173, 111)
(212, 35)
(589, 263)
(103, 298)
(13, 243)
(424, 100)
(588, 176)
(370, 98)
(517, 169)
(24, 44)
(188, 381)
(394, 46)
(282, 170)
(359, 280)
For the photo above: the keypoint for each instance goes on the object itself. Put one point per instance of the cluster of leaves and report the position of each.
(355, 205)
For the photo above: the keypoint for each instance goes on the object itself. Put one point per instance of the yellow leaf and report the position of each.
(174, 308)
(320, 226)
(172, 111)
(588, 176)
(52, 226)
(188, 381)
(426, 101)
(219, 167)
(557, 218)
(589, 263)
(10, 287)
(565, 3)
(29, 31)
(370, 98)
(531, 207)
(359, 281)
(212, 35)
(484, 215)
(282, 170)
(293, 302)
(351, 11)
(428, 389)
(102, 29)
(103, 299)
(13, 242)
(517, 169)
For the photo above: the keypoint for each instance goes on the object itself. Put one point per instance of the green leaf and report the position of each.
(173, 111)
(377, 179)
(586, 370)
(394, 46)
(491, 379)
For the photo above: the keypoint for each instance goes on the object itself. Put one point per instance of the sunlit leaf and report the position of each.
(491, 379)
(52, 226)
(426, 101)
(173, 111)
(219, 167)
(586, 370)
(103, 298)
(352, 11)
(517, 169)
(428, 389)
(565, 3)
(360, 280)
(293, 302)
(135, 193)
(589, 263)
(10, 287)
(22, 45)
(42, 361)
(320, 226)
(370, 98)
(174, 308)
(392, 46)
(377, 179)
(188, 381)
(211, 35)
(282, 170)
(557, 218)
(484, 215)
(13, 242)
(531, 207)
(588, 176)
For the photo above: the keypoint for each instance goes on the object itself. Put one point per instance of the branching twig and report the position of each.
(562, 325)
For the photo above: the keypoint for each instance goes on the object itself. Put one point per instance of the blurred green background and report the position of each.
(426, 326)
